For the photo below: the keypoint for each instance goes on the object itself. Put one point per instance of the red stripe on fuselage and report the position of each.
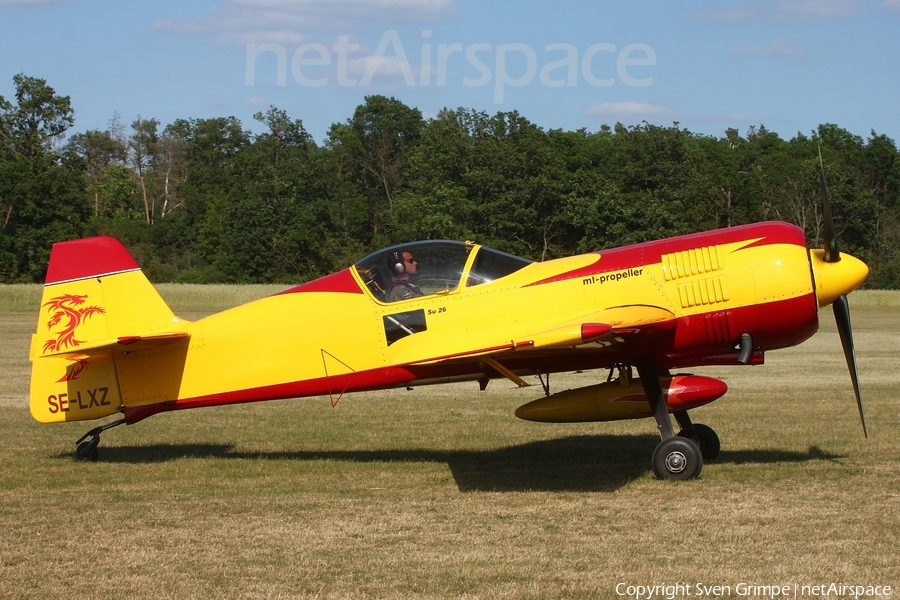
(374, 379)
(340, 282)
(649, 253)
(756, 234)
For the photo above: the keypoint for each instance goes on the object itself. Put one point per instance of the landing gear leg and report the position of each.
(87, 449)
(674, 457)
(649, 374)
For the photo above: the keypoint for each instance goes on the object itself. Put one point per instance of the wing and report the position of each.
(621, 330)
(631, 325)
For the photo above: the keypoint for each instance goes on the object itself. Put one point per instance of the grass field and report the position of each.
(442, 493)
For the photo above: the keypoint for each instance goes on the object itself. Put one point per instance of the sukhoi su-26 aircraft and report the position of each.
(107, 343)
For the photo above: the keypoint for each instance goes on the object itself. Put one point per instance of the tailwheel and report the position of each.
(706, 439)
(677, 458)
(87, 451)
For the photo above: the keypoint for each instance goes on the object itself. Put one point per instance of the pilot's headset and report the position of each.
(396, 263)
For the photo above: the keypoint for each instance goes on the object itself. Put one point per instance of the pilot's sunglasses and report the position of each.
(411, 260)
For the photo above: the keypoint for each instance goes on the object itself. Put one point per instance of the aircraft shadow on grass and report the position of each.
(594, 463)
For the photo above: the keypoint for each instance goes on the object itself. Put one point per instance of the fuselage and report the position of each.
(691, 299)
(328, 336)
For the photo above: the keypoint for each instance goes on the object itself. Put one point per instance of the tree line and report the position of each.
(206, 200)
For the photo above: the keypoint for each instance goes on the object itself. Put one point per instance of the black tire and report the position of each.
(709, 441)
(87, 451)
(677, 458)
(706, 439)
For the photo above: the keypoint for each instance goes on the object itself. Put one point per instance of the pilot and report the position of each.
(402, 266)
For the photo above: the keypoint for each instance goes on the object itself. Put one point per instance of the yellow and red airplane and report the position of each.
(107, 343)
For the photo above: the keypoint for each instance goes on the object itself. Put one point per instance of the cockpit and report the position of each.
(442, 266)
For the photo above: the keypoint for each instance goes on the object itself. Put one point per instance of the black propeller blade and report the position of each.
(840, 306)
(831, 249)
(842, 318)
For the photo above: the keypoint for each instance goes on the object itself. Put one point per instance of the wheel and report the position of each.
(87, 451)
(705, 438)
(677, 458)
(708, 441)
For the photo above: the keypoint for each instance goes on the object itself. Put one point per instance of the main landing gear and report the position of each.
(86, 449)
(677, 456)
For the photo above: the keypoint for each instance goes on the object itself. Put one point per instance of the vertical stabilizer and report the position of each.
(96, 302)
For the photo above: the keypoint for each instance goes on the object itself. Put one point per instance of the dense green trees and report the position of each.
(42, 191)
(206, 200)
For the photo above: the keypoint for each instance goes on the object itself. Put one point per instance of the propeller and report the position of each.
(838, 282)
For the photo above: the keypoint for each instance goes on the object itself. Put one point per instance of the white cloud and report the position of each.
(255, 101)
(293, 21)
(891, 5)
(810, 10)
(628, 110)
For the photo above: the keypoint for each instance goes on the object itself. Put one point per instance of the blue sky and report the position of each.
(710, 65)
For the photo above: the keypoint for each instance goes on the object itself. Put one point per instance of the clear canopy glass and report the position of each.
(441, 266)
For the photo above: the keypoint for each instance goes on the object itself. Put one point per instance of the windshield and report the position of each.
(492, 264)
(423, 268)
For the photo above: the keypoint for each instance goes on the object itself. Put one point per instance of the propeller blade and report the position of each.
(842, 317)
(832, 254)
(840, 305)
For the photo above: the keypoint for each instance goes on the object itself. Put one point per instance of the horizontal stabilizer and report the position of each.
(131, 343)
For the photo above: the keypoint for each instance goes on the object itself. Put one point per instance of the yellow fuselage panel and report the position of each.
(281, 339)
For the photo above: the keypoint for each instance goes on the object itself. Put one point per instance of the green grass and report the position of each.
(441, 492)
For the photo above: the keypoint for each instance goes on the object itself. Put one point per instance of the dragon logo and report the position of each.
(67, 310)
